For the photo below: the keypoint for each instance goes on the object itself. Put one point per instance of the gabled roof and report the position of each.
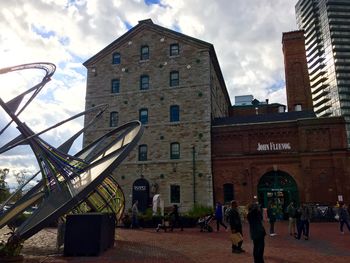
(148, 23)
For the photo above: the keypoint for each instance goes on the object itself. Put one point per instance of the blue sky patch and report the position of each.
(128, 26)
(280, 83)
(152, 2)
(41, 31)
(64, 41)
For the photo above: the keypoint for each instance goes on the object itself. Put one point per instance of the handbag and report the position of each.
(236, 238)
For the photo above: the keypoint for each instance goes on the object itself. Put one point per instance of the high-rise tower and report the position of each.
(327, 41)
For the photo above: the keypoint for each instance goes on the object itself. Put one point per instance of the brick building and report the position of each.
(197, 148)
(270, 154)
(173, 84)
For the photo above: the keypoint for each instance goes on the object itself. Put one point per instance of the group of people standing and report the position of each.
(299, 223)
(299, 220)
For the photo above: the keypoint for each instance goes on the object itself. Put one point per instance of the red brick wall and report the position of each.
(251, 110)
(318, 158)
(296, 72)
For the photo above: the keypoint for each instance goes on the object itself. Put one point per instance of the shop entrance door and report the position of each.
(278, 187)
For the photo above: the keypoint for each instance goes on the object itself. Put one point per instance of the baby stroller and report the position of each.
(204, 222)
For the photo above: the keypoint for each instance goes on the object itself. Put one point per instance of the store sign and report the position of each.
(277, 189)
(273, 146)
(139, 187)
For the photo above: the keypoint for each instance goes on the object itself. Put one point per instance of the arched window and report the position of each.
(144, 52)
(144, 82)
(143, 116)
(113, 121)
(116, 58)
(115, 86)
(143, 152)
(174, 78)
(228, 193)
(175, 150)
(174, 113)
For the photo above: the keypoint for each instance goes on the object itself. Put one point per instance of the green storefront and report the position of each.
(278, 187)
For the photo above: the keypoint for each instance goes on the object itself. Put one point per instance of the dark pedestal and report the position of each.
(88, 234)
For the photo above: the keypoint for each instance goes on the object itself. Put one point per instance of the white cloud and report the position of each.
(246, 36)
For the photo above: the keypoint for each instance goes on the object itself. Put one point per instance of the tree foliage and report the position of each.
(4, 188)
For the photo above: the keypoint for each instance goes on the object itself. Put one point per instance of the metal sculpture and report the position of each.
(69, 184)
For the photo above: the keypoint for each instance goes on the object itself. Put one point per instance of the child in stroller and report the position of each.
(204, 223)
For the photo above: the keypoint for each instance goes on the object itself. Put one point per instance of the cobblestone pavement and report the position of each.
(326, 244)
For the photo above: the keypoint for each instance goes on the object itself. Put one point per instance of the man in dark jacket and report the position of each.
(236, 225)
(175, 218)
(344, 217)
(257, 232)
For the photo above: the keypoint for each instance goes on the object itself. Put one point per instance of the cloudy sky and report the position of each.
(246, 35)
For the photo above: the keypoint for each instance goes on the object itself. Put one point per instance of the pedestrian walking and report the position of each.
(219, 216)
(134, 215)
(175, 218)
(257, 232)
(236, 225)
(344, 217)
(291, 210)
(272, 213)
(305, 217)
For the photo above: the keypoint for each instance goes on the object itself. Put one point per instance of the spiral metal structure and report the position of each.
(70, 183)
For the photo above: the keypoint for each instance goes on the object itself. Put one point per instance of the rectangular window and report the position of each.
(174, 78)
(115, 85)
(143, 152)
(174, 113)
(116, 58)
(174, 193)
(113, 121)
(144, 53)
(175, 150)
(144, 82)
(143, 116)
(174, 49)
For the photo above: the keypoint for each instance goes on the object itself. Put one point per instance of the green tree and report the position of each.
(21, 178)
(4, 189)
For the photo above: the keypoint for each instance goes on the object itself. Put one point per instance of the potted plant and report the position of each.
(10, 250)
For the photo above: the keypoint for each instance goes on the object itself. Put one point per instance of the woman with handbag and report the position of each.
(257, 232)
(236, 227)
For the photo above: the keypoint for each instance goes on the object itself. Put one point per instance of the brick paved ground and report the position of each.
(326, 244)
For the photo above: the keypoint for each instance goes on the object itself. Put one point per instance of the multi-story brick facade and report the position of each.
(196, 148)
(173, 84)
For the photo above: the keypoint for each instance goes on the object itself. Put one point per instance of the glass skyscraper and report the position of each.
(327, 42)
